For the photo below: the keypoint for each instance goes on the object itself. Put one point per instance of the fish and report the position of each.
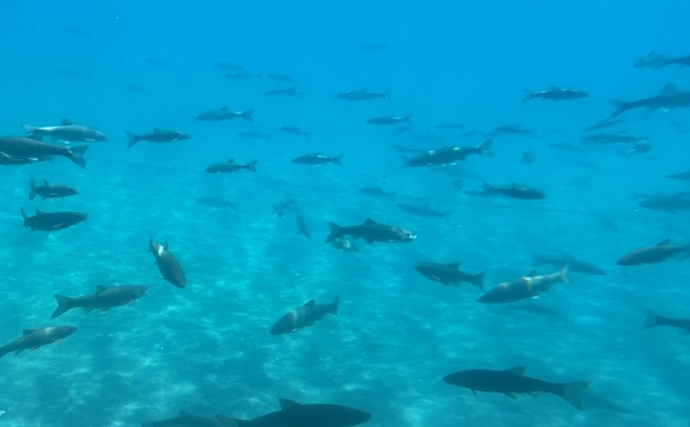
(158, 136)
(605, 124)
(167, 264)
(555, 93)
(608, 224)
(294, 414)
(376, 192)
(184, 420)
(77, 32)
(567, 147)
(528, 156)
(50, 191)
(104, 299)
(67, 131)
(515, 191)
(302, 227)
(654, 320)
(525, 287)
(304, 316)
(255, 135)
(390, 120)
(138, 90)
(667, 202)
(656, 60)
(230, 166)
(449, 274)
(52, 221)
(449, 155)
(242, 74)
(640, 147)
(423, 211)
(513, 381)
(230, 66)
(224, 114)
(363, 95)
(27, 148)
(216, 202)
(32, 339)
(317, 159)
(286, 205)
(661, 252)
(680, 176)
(513, 130)
(295, 131)
(370, 232)
(282, 78)
(669, 98)
(614, 138)
(288, 93)
(574, 265)
(344, 245)
(587, 165)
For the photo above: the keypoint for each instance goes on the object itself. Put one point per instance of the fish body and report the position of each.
(242, 74)
(32, 339)
(515, 191)
(230, 166)
(7, 160)
(184, 420)
(297, 415)
(363, 95)
(170, 268)
(282, 78)
(104, 299)
(574, 265)
(288, 93)
(302, 227)
(449, 155)
(513, 130)
(370, 232)
(304, 316)
(390, 120)
(423, 211)
(555, 93)
(661, 252)
(295, 131)
(523, 288)
(158, 136)
(27, 148)
(224, 114)
(605, 124)
(614, 138)
(654, 320)
(449, 274)
(656, 60)
(67, 131)
(52, 221)
(670, 203)
(669, 98)
(317, 159)
(231, 66)
(681, 176)
(50, 191)
(376, 192)
(285, 206)
(449, 126)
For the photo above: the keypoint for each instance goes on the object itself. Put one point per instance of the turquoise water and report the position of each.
(206, 348)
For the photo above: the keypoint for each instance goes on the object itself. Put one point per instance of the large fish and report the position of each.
(52, 221)
(167, 264)
(670, 97)
(230, 166)
(654, 320)
(224, 114)
(390, 120)
(449, 155)
(449, 274)
(104, 299)
(293, 414)
(304, 316)
(50, 191)
(32, 339)
(661, 252)
(67, 131)
(158, 136)
(555, 93)
(370, 232)
(27, 148)
(184, 420)
(525, 287)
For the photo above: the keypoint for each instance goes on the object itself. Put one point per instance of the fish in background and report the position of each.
(231, 66)
(317, 159)
(515, 191)
(567, 147)
(158, 136)
(167, 264)
(230, 166)
(555, 93)
(423, 211)
(654, 320)
(77, 32)
(376, 192)
(52, 221)
(516, 130)
(370, 232)
(605, 124)
(406, 150)
(66, 131)
(104, 299)
(287, 93)
(255, 135)
(293, 414)
(363, 95)
(282, 78)
(344, 245)
(614, 138)
(458, 184)
(574, 265)
(223, 114)
(679, 201)
(50, 191)
(513, 381)
(587, 165)
(654, 60)
(449, 274)
(680, 176)
(302, 227)
(391, 120)
(295, 131)
(669, 98)
(32, 339)
(185, 419)
(374, 46)
(640, 147)
(661, 252)
(528, 156)
(138, 90)
(74, 74)
(449, 155)
(525, 287)
(303, 317)
(608, 223)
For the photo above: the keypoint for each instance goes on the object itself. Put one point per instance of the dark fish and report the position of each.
(288, 93)
(344, 245)
(515, 191)
(317, 159)
(567, 147)
(230, 166)
(513, 130)
(304, 316)
(449, 274)
(167, 264)
(255, 135)
(604, 124)
(216, 202)
(297, 415)
(670, 97)
(608, 224)
(32, 339)
(286, 206)
(376, 192)
(390, 120)
(655, 61)
(669, 203)
(230, 66)
(371, 232)
(242, 74)
(27, 148)
(104, 299)
(158, 136)
(662, 252)
(363, 95)
(681, 176)
(555, 93)
(614, 138)
(302, 225)
(449, 155)
(513, 381)
(50, 191)
(640, 147)
(138, 89)
(73, 74)
(423, 211)
(224, 114)
(523, 288)
(295, 131)
(184, 420)
(282, 78)
(654, 320)
(157, 62)
(52, 221)
(574, 265)
(7, 160)
(67, 131)
(528, 156)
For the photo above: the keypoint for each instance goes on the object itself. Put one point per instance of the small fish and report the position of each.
(230, 166)
(587, 165)
(73, 74)
(376, 192)
(282, 78)
(73, 31)
(302, 227)
(317, 159)
(138, 90)
(158, 136)
(167, 264)
(525, 287)
(295, 131)
(52, 221)
(513, 130)
(515, 191)
(304, 316)
(449, 155)
(293, 414)
(555, 93)
(32, 339)
(423, 211)
(390, 120)
(449, 274)
(224, 114)
(242, 74)
(614, 138)
(184, 420)
(661, 252)
(654, 320)
(574, 265)
(50, 191)
(104, 299)
(363, 95)
(449, 126)
(67, 131)
(605, 124)
(230, 66)
(370, 232)
(528, 156)
(254, 135)
(344, 245)
(567, 147)
(288, 93)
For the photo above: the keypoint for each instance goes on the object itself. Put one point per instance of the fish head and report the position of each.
(494, 295)
(353, 417)
(60, 332)
(405, 236)
(140, 291)
(460, 379)
(100, 136)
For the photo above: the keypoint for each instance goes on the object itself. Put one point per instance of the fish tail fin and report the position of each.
(247, 115)
(485, 148)
(620, 106)
(335, 232)
(32, 132)
(528, 95)
(653, 320)
(252, 165)
(307, 134)
(478, 280)
(24, 215)
(4, 350)
(132, 139)
(571, 393)
(334, 305)
(76, 154)
(338, 160)
(563, 273)
(64, 304)
(32, 194)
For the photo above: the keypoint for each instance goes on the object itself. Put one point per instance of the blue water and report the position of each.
(206, 348)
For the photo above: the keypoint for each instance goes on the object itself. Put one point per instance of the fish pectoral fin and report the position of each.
(511, 395)
(474, 392)
(287, 403)
(534, 394)
(311, 303)
(184, 414)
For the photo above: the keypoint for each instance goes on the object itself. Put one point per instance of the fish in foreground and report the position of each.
(376, 192)
(184, 420)
(604, 124)
(317, 159)
(294, 414)
(52, 221)
(50, 191)
(158, 136)
(224, 114)
(27, 148)
(363, 95)
(654, 320)
(680, 176)
(370, 232)
(104, 299)
(423, 211)
(661, 252)
(574, 265)
(288, 93)
(344, 245)
(449, 274)
(390, 120)
(449, 155)
(304, 316)
(670, 97)
(67, 131)
(515, 191)
(555, 93)
(513, 381)
(302, 227)
(167, 264)
(525, 287)
(295, 131)
(32, 339)
(230, 166)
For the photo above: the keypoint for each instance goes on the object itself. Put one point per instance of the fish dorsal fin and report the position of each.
(554, 88)
(311, 303)
(369, 221)
(39, 212)
(287, 404)
(454, 265)
(531, 273)
(224, 109)
(665, 242)
(517, 370)
(166, 245)
(45, 182)
(230, 161)
(65, 122)
(157, 130)
(185, 414)
(26, 332)
(669, 88)
(100, 288)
